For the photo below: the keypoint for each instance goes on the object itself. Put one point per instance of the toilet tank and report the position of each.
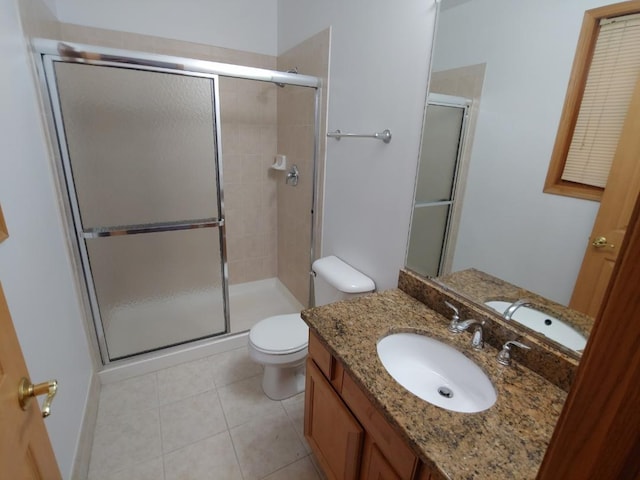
(335, 280)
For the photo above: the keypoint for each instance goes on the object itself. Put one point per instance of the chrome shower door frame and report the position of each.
(464, 105)
(48, 76)
(90, 54)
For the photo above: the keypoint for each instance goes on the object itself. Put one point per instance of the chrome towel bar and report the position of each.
(385, 135)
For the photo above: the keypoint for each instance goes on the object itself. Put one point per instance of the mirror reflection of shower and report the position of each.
(438, 187)
(185, 230)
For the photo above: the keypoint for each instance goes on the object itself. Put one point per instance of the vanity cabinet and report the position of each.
(348, 435)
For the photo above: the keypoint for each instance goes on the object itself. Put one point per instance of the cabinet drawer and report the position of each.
(320, 355)
(391, 444)
(328, 365)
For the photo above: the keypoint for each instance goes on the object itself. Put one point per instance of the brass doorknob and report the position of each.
(601, 242)
(27, 390)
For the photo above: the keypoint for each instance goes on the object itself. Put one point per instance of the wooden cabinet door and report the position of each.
(375, 466)
(334, 434)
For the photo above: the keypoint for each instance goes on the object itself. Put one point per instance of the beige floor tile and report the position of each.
(150, 470)
(294, 407)
(243, 401)
(266, 445)
(212, 458)
(233, 366)
(191, 419)
(127, 396)
(124, 441)
(303, 469)
(184, 380)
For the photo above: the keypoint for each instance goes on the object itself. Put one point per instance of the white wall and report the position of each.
(34, 267)
(509, 228)
(51, 4)
(378, 77)
(248, 25)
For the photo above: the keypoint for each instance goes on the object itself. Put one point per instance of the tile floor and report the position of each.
(206, 419)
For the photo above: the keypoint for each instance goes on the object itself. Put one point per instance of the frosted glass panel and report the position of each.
(439, 153)
(157, 289)
(141, 144)
(428, 229)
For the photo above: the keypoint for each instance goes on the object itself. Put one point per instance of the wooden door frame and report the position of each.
(598, 433)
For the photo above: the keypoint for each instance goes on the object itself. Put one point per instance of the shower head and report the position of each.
(291, 70)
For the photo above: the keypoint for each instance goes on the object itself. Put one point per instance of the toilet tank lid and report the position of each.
(342, 276)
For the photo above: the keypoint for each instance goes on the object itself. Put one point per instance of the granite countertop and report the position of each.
(506, 441)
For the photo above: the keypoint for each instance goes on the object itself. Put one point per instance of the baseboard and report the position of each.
(85, 439)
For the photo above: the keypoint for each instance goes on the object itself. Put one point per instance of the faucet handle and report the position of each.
(504, 357)
(453, 326)
(456, 312)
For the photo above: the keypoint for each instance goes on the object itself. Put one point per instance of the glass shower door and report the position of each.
(435, 188)
(140, 158)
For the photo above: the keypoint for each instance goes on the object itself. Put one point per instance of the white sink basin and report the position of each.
(436, 372)
(549, 326)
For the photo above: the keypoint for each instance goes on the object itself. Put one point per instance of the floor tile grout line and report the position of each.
(288, 465)
(226, 429)
(235, 452)
(224, 414)
(157, 384)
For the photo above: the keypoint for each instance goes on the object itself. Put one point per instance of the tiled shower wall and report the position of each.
(249, 139)
(296, 140)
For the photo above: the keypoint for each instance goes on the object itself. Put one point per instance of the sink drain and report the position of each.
(445, 392)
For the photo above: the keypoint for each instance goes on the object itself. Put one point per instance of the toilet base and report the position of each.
(279, 383)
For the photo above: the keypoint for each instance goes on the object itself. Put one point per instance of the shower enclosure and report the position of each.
(430, 235)
(143, 141)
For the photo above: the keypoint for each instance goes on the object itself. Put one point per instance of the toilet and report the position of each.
(280, 343)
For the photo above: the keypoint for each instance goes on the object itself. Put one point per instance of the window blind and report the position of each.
(612, 78)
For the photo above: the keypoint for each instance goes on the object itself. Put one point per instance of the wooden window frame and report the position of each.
(575, 90)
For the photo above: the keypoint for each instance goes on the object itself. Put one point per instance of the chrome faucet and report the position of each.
(477, 342)
(456, 326)
(455, 319)
(511, 309)
(504, 357)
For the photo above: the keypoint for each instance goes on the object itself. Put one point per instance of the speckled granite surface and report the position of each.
(482, 287)
(506, 441)
(548, 359)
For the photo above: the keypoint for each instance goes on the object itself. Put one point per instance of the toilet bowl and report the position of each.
(280, 343)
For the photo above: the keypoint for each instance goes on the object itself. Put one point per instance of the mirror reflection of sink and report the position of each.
(549, 326)
(436, 372)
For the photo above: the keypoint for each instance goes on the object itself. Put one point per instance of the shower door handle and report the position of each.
(152, 228)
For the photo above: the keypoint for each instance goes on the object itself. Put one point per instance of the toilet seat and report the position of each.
(280, 335)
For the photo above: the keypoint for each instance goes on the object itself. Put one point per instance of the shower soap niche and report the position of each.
(279, 162)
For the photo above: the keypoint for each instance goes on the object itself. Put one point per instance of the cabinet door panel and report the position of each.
(376, 467)
(395, 449)
(333, 433)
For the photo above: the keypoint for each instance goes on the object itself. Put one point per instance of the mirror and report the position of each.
(513, 60)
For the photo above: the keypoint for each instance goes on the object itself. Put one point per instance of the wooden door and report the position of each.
(597, 436)
(613, 216)
(25, 450)
(332, 431)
